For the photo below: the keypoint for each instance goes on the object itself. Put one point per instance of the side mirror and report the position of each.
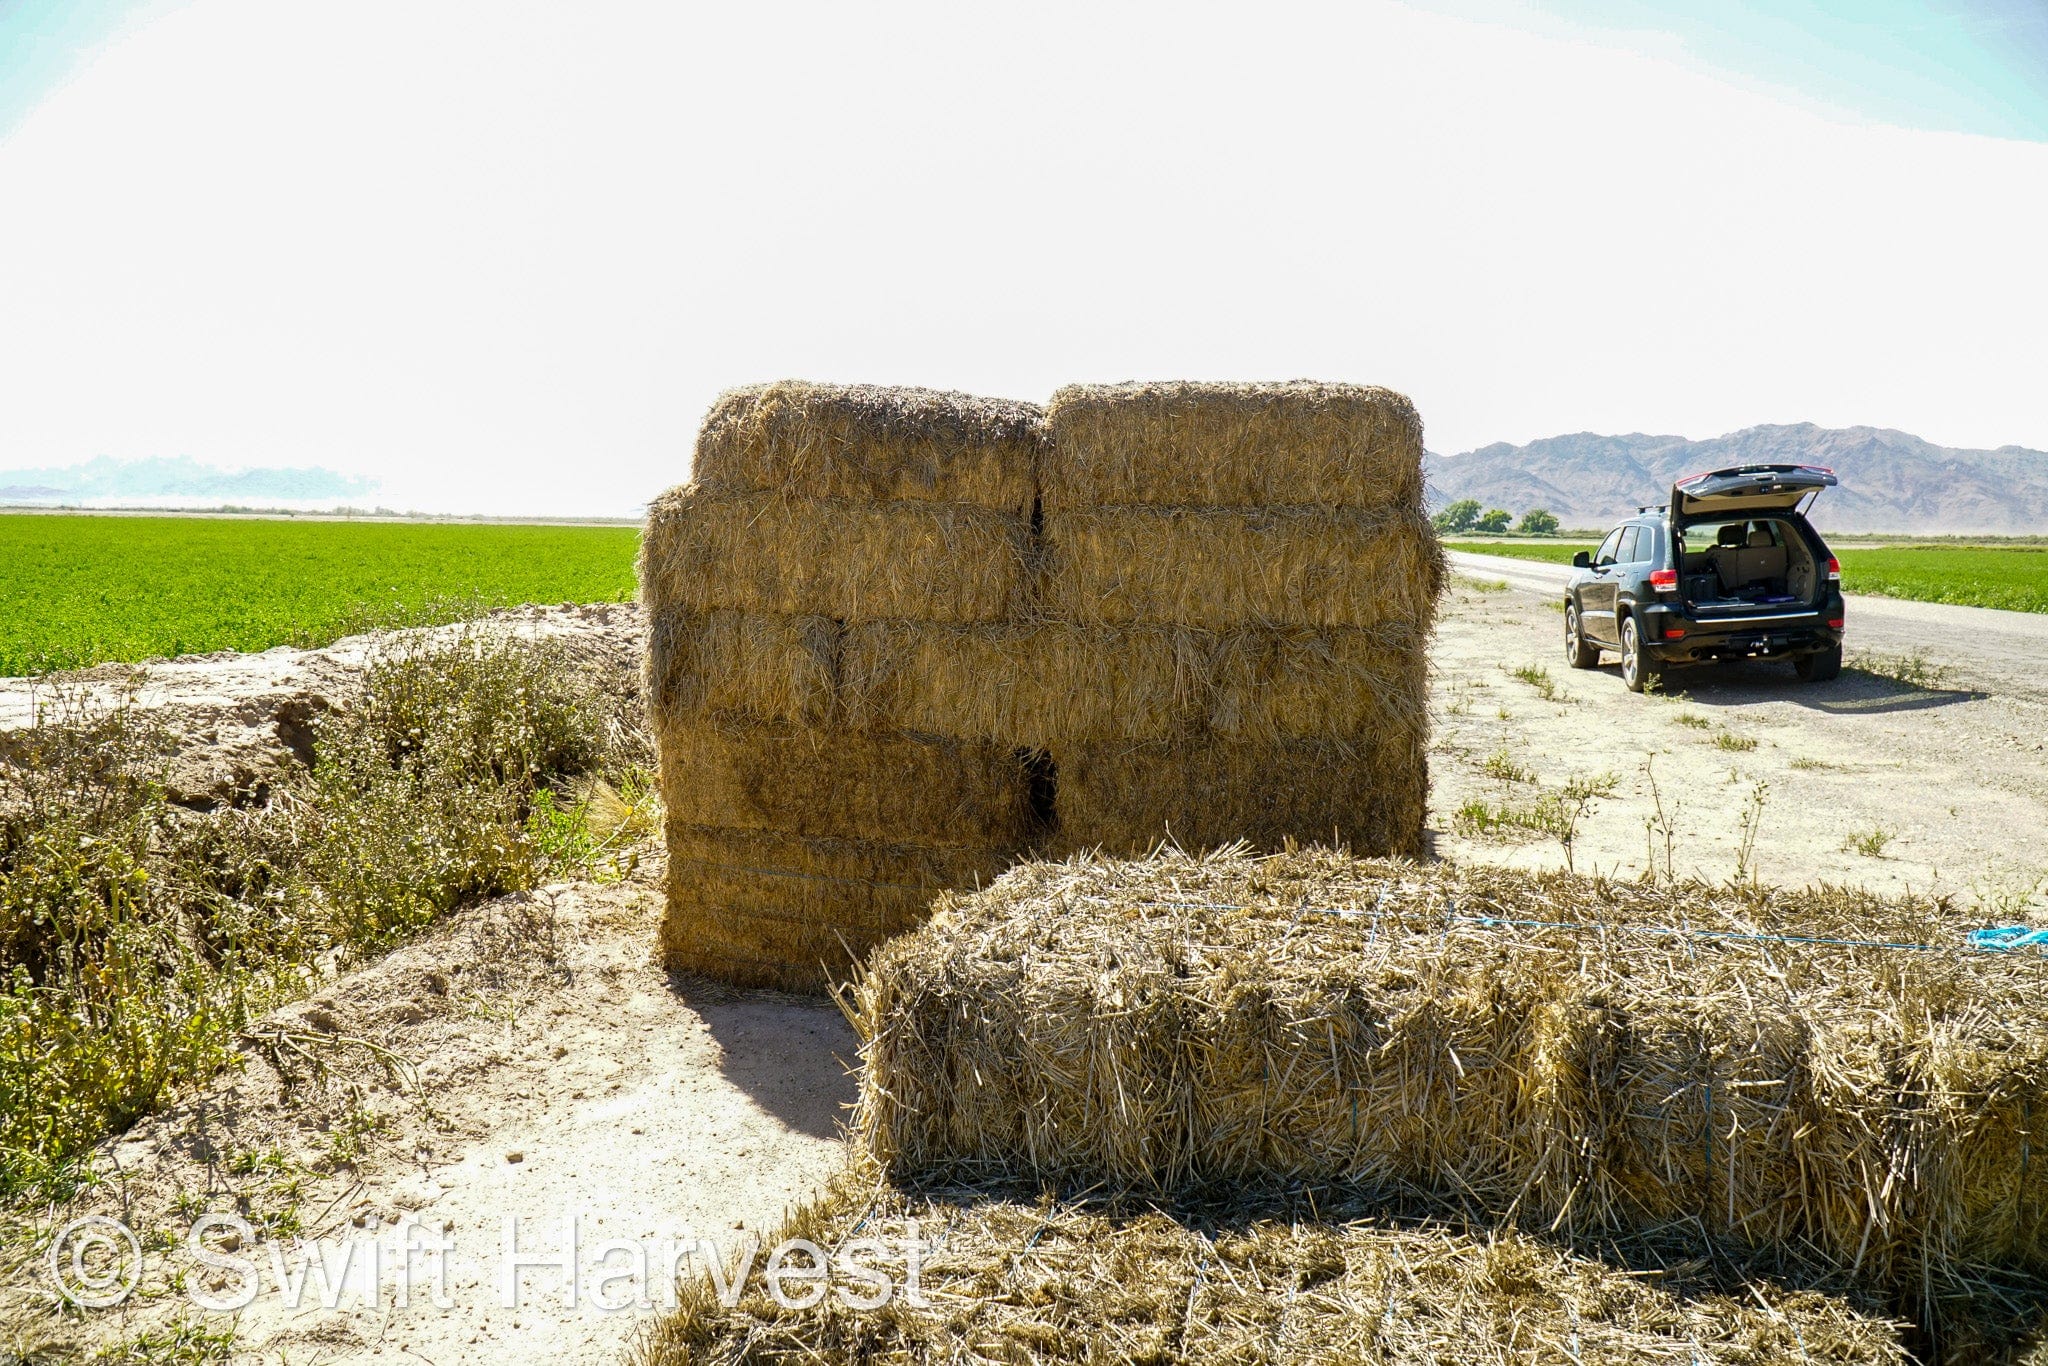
(1582, 560)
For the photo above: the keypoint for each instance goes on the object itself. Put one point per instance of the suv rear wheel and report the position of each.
(1824, 667)
(1638, 670)
(1579, 652)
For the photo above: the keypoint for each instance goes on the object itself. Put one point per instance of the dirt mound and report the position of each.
(240, 722)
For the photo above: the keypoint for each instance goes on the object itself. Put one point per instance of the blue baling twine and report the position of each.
(2004, 938)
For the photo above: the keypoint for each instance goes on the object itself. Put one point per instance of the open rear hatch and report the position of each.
(1748, 489)
(1757, 565)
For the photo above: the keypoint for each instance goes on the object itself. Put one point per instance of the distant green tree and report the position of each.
(1538, 522)
(1459, 516)
(1496, 519)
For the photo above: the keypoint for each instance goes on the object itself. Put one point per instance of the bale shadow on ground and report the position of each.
(793, 1055)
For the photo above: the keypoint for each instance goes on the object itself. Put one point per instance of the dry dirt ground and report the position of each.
(527, 1058)
(525, 1061)
(1867, 780)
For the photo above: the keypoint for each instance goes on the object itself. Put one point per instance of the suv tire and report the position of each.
(1824, 667)
(1579, 652)
(1638, 670)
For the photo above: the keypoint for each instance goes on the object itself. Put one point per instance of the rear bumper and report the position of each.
(1780, 636)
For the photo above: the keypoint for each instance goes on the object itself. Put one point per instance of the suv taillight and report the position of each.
(1834, 570)
(1664, 580)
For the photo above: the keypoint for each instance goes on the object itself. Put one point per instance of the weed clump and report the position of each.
(137, 939)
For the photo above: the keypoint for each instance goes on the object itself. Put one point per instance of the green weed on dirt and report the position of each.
(138, 939)
(85, 590)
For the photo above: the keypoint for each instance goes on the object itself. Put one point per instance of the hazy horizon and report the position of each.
(501, 259)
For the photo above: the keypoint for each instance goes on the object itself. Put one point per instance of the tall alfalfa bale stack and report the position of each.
(1276, 531)
(796, 839)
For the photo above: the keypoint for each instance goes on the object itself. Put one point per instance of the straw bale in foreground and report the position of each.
(865, 441)
(827, 783)
(1219, 569)
(1429, 1032)
(740, 667)
(1031, 1283)
(1370, 795)
(1232, 445)
(852, 561)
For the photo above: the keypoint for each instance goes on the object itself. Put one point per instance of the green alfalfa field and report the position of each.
(2013, 577)
(81, 590)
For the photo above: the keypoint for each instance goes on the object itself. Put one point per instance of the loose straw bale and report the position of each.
(741, 667)
(1370, 795)
(1232, 445)
(1219, 569)
(847, 560)
(1566, 1051)
(764, 908)
(833, 784)
(1033, 1283)
(1029, 683)
(863, 441)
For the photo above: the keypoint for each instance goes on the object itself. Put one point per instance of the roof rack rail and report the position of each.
(1654, 507)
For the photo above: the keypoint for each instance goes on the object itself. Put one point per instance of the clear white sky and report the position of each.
(502, 255)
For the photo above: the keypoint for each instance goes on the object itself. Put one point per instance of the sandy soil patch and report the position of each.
(1865, 780)
(525, 1060)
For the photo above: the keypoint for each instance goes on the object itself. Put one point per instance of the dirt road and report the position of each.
(1866, 780)
(2003, 653)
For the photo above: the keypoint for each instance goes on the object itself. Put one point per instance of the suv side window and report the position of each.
(1606, 555)
(1646, 546)
(1629, 536)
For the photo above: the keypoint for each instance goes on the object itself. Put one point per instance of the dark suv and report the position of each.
(1729, 569)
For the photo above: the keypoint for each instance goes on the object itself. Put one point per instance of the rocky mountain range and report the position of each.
(179, 481)
(1891, 480)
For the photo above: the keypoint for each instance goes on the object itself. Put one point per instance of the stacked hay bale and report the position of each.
(799, 835)
(1254, 562)
(898, 637)
(1590, 1058)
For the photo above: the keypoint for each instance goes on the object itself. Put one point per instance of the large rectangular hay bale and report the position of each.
(843, 559)
(1224, 568)
(750, 667)
(1044, 683)
(1033, 1282)
(1369, 795)
(764, 908)
(1338, 683)
(911, 789)
(864, 441)
(1597, 1058)
(1232, 445)
(1028, 683)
